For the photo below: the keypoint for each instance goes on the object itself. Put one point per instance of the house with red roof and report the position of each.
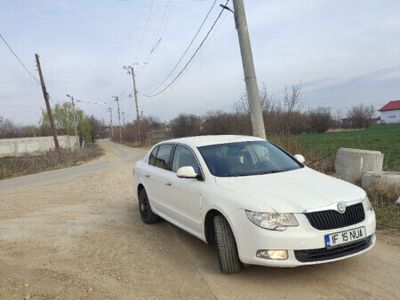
(390, 112)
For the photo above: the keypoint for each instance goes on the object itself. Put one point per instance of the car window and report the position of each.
(152, 157)
(247, 159)
(184, 157)
(163, 156)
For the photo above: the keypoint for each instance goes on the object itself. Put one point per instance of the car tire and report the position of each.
(229, 261)
(146, 214)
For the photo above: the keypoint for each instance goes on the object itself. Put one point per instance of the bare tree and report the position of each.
(267, 102)
(360, 116)
(292, 98)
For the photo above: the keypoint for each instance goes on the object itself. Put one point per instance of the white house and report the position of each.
(390, 112)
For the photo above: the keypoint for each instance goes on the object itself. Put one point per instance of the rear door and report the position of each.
(159, 170)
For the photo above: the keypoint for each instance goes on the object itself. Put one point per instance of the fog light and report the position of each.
(272, 254)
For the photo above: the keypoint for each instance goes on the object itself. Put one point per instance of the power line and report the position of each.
(145, 29)
(19, 60)
(89, 102)
(187, 48)
(163, 26)
(191, 58)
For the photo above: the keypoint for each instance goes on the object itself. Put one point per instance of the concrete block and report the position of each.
(350, 163)
(381, 178)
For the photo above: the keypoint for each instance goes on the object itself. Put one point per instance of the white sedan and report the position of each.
(257, 203)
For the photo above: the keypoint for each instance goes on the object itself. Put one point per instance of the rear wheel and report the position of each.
(226, 246)
(146, 214)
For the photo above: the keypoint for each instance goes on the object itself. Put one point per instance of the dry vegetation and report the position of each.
(383, 198)
(29, 164)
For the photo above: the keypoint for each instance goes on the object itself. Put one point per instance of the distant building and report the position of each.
(390, 112)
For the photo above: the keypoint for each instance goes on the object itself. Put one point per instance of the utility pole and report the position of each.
(123, 118)
(131, 71)
(74, 120)
(111, 124)
(253, 96)
(119, 119)
(46, 100)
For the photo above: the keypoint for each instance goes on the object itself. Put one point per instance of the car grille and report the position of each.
(331, 219)
(332, 253)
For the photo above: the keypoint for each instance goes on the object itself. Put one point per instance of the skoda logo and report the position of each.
(341, 207)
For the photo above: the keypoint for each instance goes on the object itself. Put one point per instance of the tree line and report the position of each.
(65, 118)
(285, 116)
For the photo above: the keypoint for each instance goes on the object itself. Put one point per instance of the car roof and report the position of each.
(206, 140)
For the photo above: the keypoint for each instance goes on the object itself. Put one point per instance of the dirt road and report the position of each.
(76, 233)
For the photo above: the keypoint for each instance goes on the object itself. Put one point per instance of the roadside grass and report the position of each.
(315, 158)
(320, 149)
(50, 160)
(384, 138)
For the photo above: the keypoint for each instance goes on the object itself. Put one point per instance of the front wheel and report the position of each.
(229, 261)
(146, 214)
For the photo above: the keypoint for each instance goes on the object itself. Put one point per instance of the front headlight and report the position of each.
(367, 204)
(272, 221)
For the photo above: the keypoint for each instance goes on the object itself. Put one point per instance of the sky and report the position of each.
(342, 53)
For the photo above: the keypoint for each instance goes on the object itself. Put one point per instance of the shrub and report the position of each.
(219, 122)
(320, 119)
(185, 125)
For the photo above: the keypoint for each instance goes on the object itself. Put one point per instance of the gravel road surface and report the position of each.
(75, 234)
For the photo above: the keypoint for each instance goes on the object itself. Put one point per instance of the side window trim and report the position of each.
(155, 155)
(169, 165)
(195, 156)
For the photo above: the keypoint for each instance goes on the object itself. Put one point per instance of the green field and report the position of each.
(384, 138)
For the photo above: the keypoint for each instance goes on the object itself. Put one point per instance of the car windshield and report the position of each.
(246, 159)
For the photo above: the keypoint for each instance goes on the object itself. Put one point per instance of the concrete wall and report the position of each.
(19, 146)
(390, 116)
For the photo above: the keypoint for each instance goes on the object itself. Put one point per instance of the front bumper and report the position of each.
(301, 242)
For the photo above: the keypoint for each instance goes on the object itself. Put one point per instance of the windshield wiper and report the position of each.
(272, 171)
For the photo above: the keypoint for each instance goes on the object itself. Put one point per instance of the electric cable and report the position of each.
(188, 47)
(191, 58)
(19, 60)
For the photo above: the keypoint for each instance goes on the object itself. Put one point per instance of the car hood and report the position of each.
(291, 191)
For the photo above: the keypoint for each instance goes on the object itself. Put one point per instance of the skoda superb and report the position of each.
(254, 201)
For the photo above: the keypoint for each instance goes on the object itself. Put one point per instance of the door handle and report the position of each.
(147, 176)
(168, 183)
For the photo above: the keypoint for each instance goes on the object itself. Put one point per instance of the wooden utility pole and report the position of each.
(111, 124)
(46, 100)
(123, 118)
(119, 118)
(131, 71)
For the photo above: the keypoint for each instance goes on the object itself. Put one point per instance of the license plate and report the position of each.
(344, 237)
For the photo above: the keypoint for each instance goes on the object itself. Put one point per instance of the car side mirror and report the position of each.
(186, 172)
(300, 158)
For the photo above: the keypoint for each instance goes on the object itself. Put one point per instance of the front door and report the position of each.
(186, 192)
